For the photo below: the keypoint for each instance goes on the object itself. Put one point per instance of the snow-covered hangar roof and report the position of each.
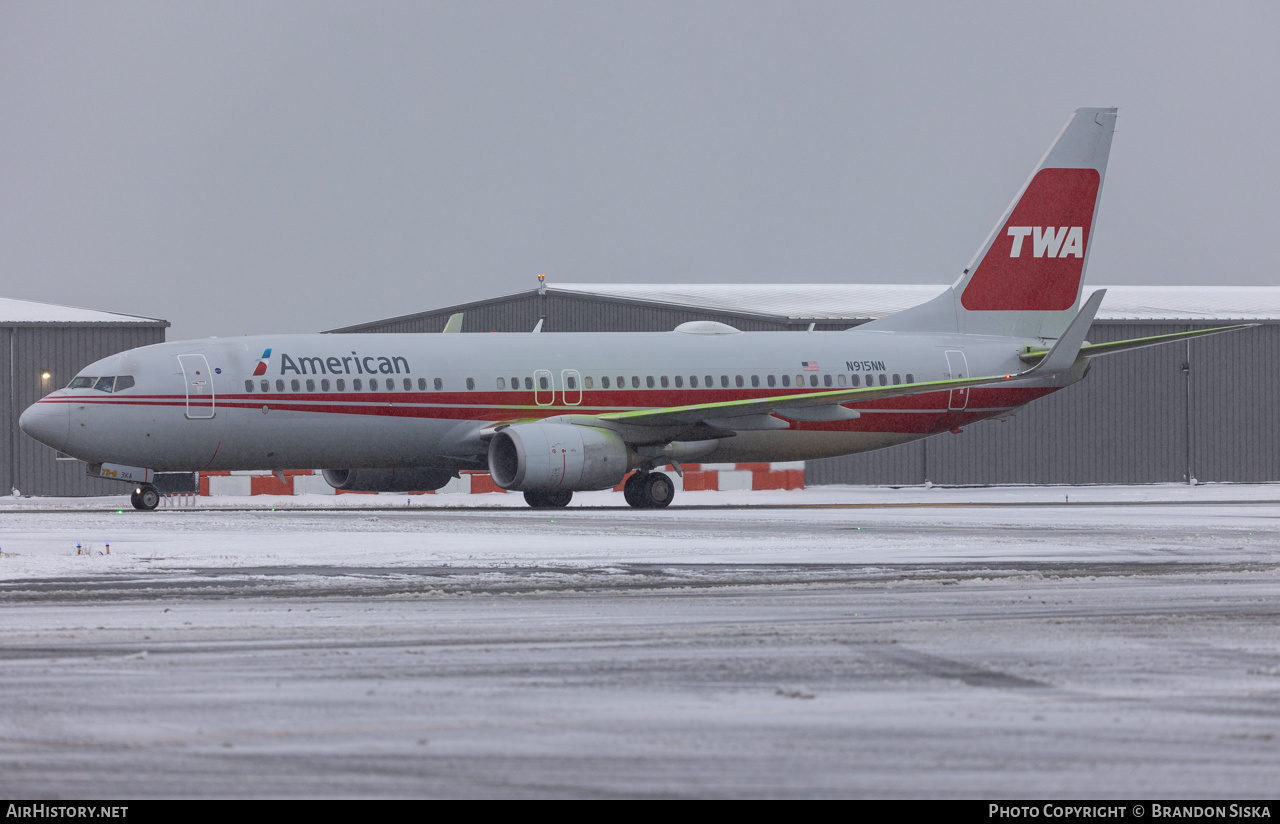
(821, 301)
(29, 313)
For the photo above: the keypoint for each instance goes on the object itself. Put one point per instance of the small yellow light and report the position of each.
(45, 376)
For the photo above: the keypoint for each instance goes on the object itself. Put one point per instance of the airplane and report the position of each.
(548, 414)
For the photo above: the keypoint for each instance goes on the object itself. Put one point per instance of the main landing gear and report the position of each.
(145, 497)
(548, 500)
(648, 490)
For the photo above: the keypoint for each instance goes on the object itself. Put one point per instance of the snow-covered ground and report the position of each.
(1061, 642)
(826, 525)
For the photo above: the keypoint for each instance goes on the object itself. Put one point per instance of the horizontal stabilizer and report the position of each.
(1063, 354)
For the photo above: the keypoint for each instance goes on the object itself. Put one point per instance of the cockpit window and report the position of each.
(82, 382)
(104, 384)
(124, 382)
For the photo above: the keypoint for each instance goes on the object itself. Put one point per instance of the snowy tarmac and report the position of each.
(840, 641)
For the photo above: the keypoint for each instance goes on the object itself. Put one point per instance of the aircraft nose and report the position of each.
(48, 423)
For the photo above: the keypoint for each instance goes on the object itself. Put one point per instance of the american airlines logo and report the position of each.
(1046, 241)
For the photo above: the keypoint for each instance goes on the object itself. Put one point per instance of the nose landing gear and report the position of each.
(145, 497)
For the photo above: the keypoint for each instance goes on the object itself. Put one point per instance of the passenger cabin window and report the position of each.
(786, 380)
(710, 383)
(311, 385)
(871, 380)
(408, 385)
(82, 382)
(324, 385)
(771, 380)
(439, 384)
(854, 380)
(295, 386)
(588, 382)
(679, 381)
(543, 383)
(422, 384)
(373, 384)
(911, 378)
(896, 380)
(471, 383)
(357, 384)
(813, 380)
(622, 382)
(342, 385)
(570, 382)
(502, 383)
(693, 381)
(635, 381)
(884, 380)
(738, 382)
(826, 380)
(104, 384)
(724, 381)
(265, 385)
(124, 382)
(663, 380)
(248, 386)
(648, 381)
(280, 385)
(604, 382)
(755, 380)
(841, 380)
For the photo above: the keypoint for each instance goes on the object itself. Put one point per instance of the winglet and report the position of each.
(1063, 354)
(454, 325)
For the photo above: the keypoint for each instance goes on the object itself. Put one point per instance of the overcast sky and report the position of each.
(257, 167)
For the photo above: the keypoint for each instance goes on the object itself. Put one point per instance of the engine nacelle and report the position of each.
(547, 456)
(405, 479)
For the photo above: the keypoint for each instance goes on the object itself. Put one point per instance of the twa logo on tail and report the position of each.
(1064, 242)
(1036, 259)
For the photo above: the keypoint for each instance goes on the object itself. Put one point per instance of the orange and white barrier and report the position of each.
(697, 478)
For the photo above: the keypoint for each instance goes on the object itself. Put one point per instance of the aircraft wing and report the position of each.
(802, 405)
(1093, 350)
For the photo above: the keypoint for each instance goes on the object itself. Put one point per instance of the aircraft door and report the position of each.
(571, 387)
(198, 381)
(544, 392)
(957, 367)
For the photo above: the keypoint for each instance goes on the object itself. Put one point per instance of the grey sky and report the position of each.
(277, 166)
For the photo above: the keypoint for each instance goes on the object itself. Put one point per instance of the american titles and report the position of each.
(345, 365)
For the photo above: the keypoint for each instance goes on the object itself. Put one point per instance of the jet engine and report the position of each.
(547, 456)
(404, 479)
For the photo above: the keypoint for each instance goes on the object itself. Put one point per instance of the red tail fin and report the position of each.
(1036, 260)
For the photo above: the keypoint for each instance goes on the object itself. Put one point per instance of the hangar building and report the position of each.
(1204, 409)
(45, 346)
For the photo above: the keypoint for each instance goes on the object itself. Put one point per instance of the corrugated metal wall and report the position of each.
(61, 350)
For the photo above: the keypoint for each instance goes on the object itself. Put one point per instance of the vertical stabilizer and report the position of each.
(1027, 277)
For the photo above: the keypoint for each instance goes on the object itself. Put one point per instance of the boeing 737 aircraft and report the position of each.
(548, 413)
